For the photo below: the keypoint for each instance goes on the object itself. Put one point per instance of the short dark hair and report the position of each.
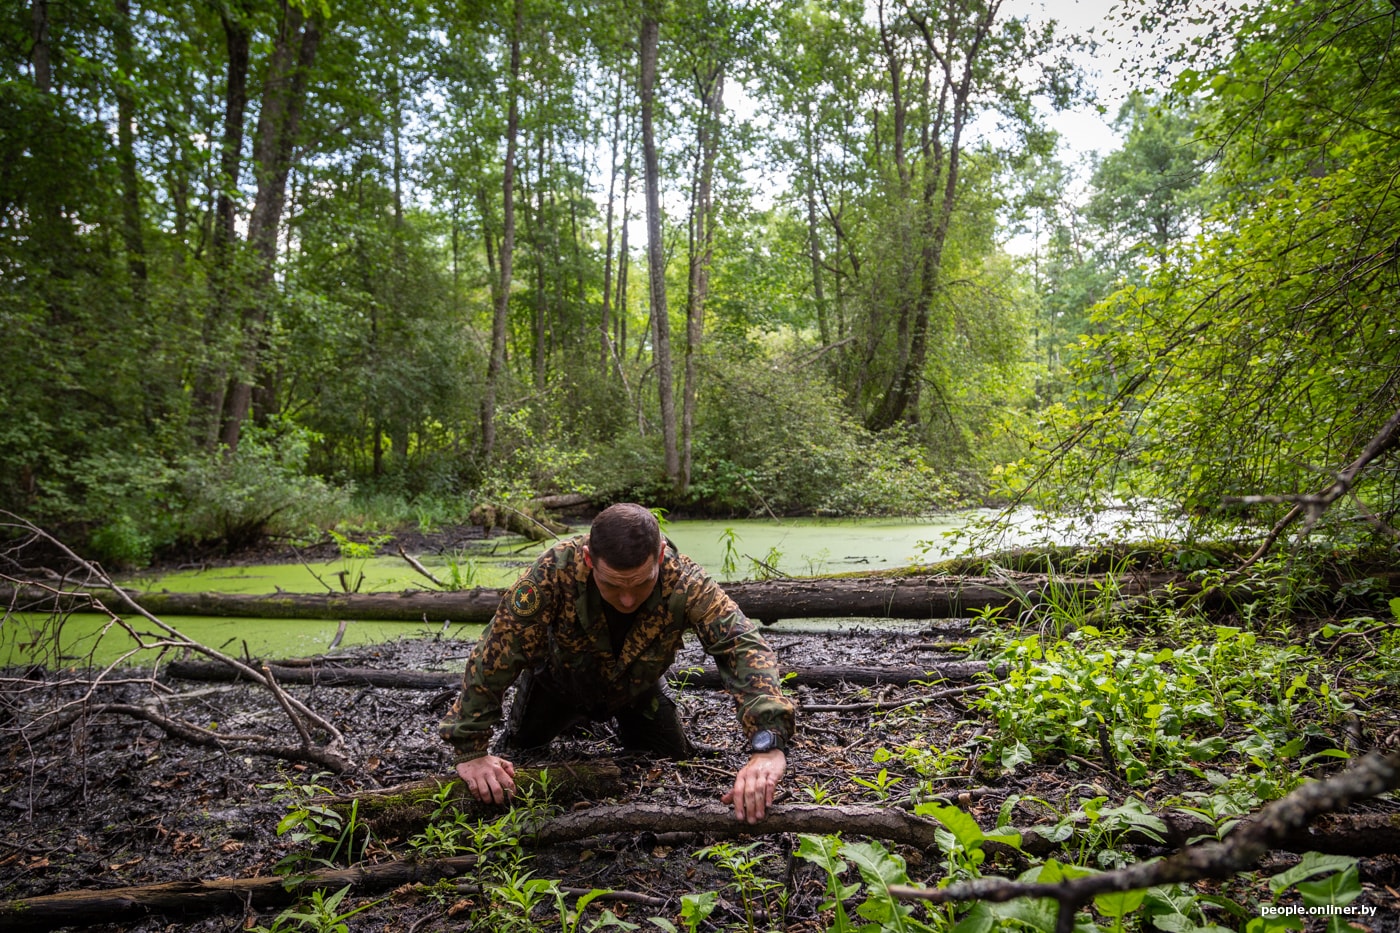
(625, 536)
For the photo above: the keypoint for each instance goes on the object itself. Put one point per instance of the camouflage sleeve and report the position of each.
(513, 640)
(747, 665)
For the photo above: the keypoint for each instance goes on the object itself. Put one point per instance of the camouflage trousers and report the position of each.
(650, 723)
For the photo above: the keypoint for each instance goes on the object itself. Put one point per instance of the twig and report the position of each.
(768, 567)
(301, 560)
(421, 569)
(281, 696)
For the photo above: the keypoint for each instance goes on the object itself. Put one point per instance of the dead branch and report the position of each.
(412, 562)
(299, 713)
(878, 704)
(1250, 840)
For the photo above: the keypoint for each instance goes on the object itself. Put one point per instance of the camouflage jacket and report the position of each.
(552, 621)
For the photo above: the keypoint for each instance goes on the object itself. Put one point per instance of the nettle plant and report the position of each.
(1146, 709)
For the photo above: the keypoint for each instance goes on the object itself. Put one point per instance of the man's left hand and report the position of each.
(754, 785)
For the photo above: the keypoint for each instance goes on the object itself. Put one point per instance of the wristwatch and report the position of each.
(765, 740)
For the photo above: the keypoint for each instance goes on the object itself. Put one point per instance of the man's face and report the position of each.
(625, 590)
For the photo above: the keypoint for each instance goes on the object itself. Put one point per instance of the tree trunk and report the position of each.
(536, 240)
(495, 366)
(605, 347)
(126, 150)
(702, 231)
(41, 55)
(278, 124)
(814, 243)
(656, 256)
(211, 384)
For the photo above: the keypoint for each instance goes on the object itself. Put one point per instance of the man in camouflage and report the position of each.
(590, 630)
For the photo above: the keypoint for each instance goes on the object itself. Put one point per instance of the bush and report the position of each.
(258, 490)
(769, 440)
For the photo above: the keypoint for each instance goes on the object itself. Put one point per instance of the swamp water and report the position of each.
(729, 550)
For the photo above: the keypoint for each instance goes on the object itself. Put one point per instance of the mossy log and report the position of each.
(527, 519)
(400, 811)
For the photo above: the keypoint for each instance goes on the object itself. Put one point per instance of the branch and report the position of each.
(1314, 506)
(1373, 775)
(421, 569)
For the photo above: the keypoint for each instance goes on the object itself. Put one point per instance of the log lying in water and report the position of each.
(907, 597)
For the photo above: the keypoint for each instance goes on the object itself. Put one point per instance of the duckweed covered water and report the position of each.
(730, 550)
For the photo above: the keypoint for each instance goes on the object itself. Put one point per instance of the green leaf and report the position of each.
(1312, 864)
(1118, 903)
(1334, 890)
(977, 920)
(963, 827)
(1016, 755)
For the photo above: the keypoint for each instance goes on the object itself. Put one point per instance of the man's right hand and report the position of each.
(490, 779)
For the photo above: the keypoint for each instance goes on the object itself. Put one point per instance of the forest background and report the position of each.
(269, 267)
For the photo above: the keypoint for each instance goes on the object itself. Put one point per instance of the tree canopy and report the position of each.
(260, 255)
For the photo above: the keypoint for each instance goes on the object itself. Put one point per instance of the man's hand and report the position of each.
(754, 785)
(490, 779)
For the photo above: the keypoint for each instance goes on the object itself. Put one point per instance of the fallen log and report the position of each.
(1360, 835)
(185, 899)
(321, 675)
(834, 675)
(400, 811)
(769, 601)
(706, 677)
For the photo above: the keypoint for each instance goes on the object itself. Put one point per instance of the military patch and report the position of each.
(525, 599)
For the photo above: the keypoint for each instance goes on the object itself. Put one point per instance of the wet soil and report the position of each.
(106, 801)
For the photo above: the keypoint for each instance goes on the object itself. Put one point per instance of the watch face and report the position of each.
(762, 741)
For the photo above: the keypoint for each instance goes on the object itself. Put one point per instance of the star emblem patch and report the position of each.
(525, 599)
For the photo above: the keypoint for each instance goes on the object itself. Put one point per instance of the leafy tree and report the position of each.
(1259, 358)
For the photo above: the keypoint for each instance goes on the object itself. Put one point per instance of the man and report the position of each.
(590, 630)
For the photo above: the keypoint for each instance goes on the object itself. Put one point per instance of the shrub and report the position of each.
(259, 489)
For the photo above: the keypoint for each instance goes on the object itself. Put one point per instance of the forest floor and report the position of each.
(108, 801)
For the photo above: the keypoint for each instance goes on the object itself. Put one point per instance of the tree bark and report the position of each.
(656, 257)
(126, 150)
(279, 121)
(496, 364)
(911, 597)
(404, 810)
(211, 383)
(41, 57)
(605, 349)
(702, 230)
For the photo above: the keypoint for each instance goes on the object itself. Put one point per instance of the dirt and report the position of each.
(109, 801)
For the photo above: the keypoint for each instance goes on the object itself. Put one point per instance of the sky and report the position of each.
(1084, 130)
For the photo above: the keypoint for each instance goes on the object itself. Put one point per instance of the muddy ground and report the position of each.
(107, 801)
